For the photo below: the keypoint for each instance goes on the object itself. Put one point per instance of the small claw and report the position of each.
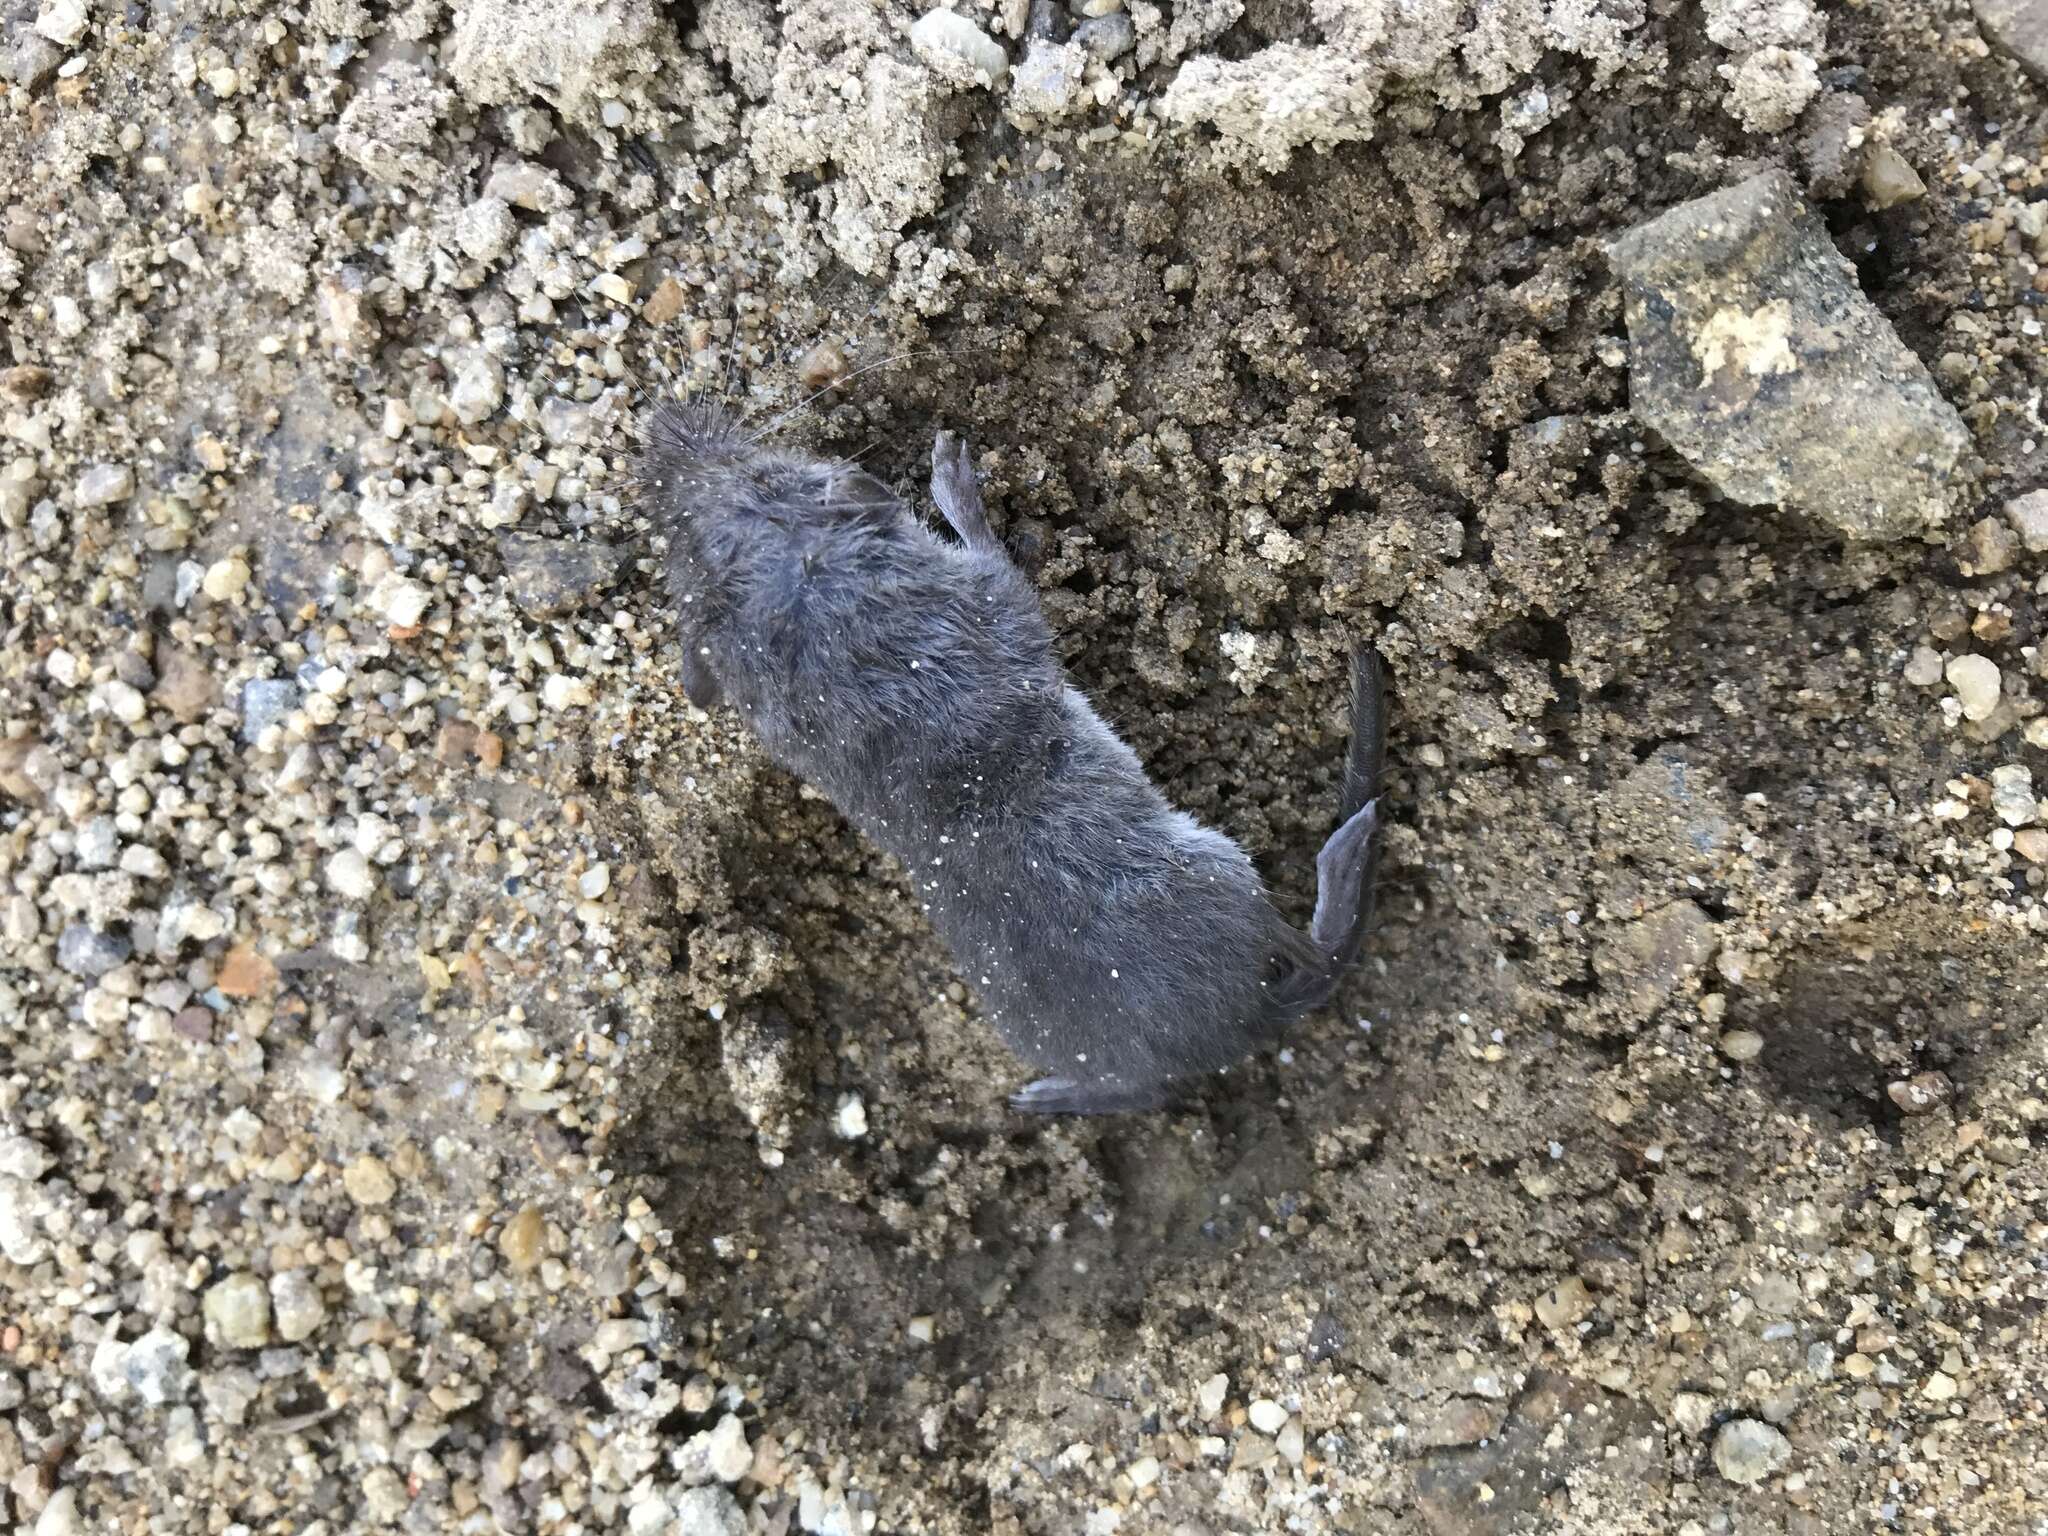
(1040, 1097)
(1064, 1096)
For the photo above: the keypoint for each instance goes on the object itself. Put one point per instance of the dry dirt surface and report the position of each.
(450, 1084)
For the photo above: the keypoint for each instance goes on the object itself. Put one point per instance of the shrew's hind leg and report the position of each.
(957, 495)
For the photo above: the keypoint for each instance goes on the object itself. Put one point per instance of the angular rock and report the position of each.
(83, 951)
(956, 50)
(1558, 1431)
(1757, 357)
(2018, 28)
(548, 577)
(1749, 1450)
(1641, 963)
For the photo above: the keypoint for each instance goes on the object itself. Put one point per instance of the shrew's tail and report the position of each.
(1346, 867)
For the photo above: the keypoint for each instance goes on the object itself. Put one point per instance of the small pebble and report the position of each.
(1107, 37)
(155, 1365)
(1923, 667)
(2012, 795)
(1210, 1395)
(852, 1119)
(349, 873)
(1563, 1306)
(486, 229)
(956, 49)
(1977, 682)
(1921, 1093)
(478, 389)
(1889, 180)
(368, 1181)
(104, 484)
(84, 951)
(296, 1305)
(1266, 1415)
(225, 579)
(265, 702)
(594, 882)
(60, 1515)
(2028, 515)
(1748, 1451)
(522, 1241)
(1742, 1045)
(238, 1312)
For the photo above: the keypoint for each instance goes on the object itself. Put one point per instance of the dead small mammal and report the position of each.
(1118, 945)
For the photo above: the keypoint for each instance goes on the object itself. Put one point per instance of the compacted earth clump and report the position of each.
(449, 1083)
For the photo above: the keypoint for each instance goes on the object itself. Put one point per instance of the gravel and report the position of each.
(452, 1083)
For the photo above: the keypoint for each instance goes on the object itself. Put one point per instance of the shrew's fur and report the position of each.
(1117, 944)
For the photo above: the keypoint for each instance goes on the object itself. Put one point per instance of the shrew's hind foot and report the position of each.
(1064, 1096)
(957, 495)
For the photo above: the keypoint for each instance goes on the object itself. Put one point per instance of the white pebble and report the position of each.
(2012, 794)
(60, 1515)
(104, 484)
(63, 22)
(485, 229)
(478, 390)
(1976, 682)
(1209, 1396)
(1267, 1416)
(852, 1120)
(404, 603)
(349, 873)
(956, 48)
(594, 881)
(561, 691)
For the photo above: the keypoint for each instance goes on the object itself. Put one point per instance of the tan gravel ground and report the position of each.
(449, 1084)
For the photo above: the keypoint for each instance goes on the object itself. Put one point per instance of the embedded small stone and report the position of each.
(155, 1365)
(1977, 682)
(349, 873)
(955, 49)
(105, 484)
(296, 1305)
(1563, 1306)
(225, 579)
(368, 1180)
(1210, 1394)
(85, 951)
(238, 1312)
(479, 388)
(1107, 37)
(1266, 1415)
(1923, 667)
(245, 972)
(522, 1242)
(2012, 795)
(1749, 1450)
(486, 229)
(852, 1119)
(1742, 1045)
(1921, 1093)
(1888, 180)
(1754, 353)
(265, 702)
(2028, 515)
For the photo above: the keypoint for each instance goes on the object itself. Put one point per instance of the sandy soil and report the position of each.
(448, 1083)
